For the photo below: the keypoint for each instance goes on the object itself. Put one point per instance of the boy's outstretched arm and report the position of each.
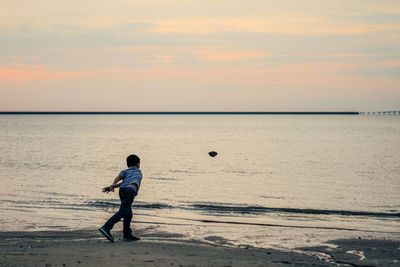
(113, 185)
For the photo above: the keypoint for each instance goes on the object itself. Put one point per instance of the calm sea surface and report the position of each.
(278, 181)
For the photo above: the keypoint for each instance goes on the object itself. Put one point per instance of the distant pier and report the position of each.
(376, 113)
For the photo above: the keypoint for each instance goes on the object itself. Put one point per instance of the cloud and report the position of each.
(165, 58)
(27, 73)
(345, 55)
(15, 57)
(227, 54)
(314, 76)
(388, 63)
(282, 25)
(205, 53)
(387, 69)
(28, 66)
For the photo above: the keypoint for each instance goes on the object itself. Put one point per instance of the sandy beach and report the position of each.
(88, 248)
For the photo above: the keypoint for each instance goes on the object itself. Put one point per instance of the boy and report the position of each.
(128, 189)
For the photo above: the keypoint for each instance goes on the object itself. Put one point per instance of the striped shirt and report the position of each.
(132, 175)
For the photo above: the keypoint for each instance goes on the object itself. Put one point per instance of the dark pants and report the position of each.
(127, 196)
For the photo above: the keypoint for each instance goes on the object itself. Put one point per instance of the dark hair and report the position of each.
(132, 160)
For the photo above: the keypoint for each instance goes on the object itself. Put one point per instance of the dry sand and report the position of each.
(89, 248)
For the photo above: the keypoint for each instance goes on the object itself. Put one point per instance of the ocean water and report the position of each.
(278, 180)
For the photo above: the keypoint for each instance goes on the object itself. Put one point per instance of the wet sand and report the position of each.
(89, 248)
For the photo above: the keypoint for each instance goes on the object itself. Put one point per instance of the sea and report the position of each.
(278, 181)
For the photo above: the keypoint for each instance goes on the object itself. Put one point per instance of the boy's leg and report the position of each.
(127, 223)
(126, 203)
(127, 229)
(129, 196)
(113, 220)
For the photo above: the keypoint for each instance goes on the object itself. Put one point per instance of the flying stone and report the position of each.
(212, 153)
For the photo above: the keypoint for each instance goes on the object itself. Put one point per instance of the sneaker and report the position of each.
(130, 238)
(106, 233)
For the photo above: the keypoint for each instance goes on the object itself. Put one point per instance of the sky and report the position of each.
(219, 55)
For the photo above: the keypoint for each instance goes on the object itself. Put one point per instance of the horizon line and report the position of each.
(179, 113)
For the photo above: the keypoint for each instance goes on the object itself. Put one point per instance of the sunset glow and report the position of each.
(200, 56)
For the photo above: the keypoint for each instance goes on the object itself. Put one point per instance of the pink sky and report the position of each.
(225, 56)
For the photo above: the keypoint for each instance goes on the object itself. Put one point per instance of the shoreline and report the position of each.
(89, 248)
(179, 113)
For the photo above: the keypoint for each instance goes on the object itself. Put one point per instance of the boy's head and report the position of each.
(133, 160)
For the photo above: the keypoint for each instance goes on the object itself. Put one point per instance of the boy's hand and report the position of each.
(108, 189)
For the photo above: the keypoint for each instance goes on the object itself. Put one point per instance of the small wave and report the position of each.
(57, 194)
(102, 204)
(272, 197)
(260, 209)
(152, 206)
(207, 207)
(179, 171)
(137, 205)
(163, 178)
